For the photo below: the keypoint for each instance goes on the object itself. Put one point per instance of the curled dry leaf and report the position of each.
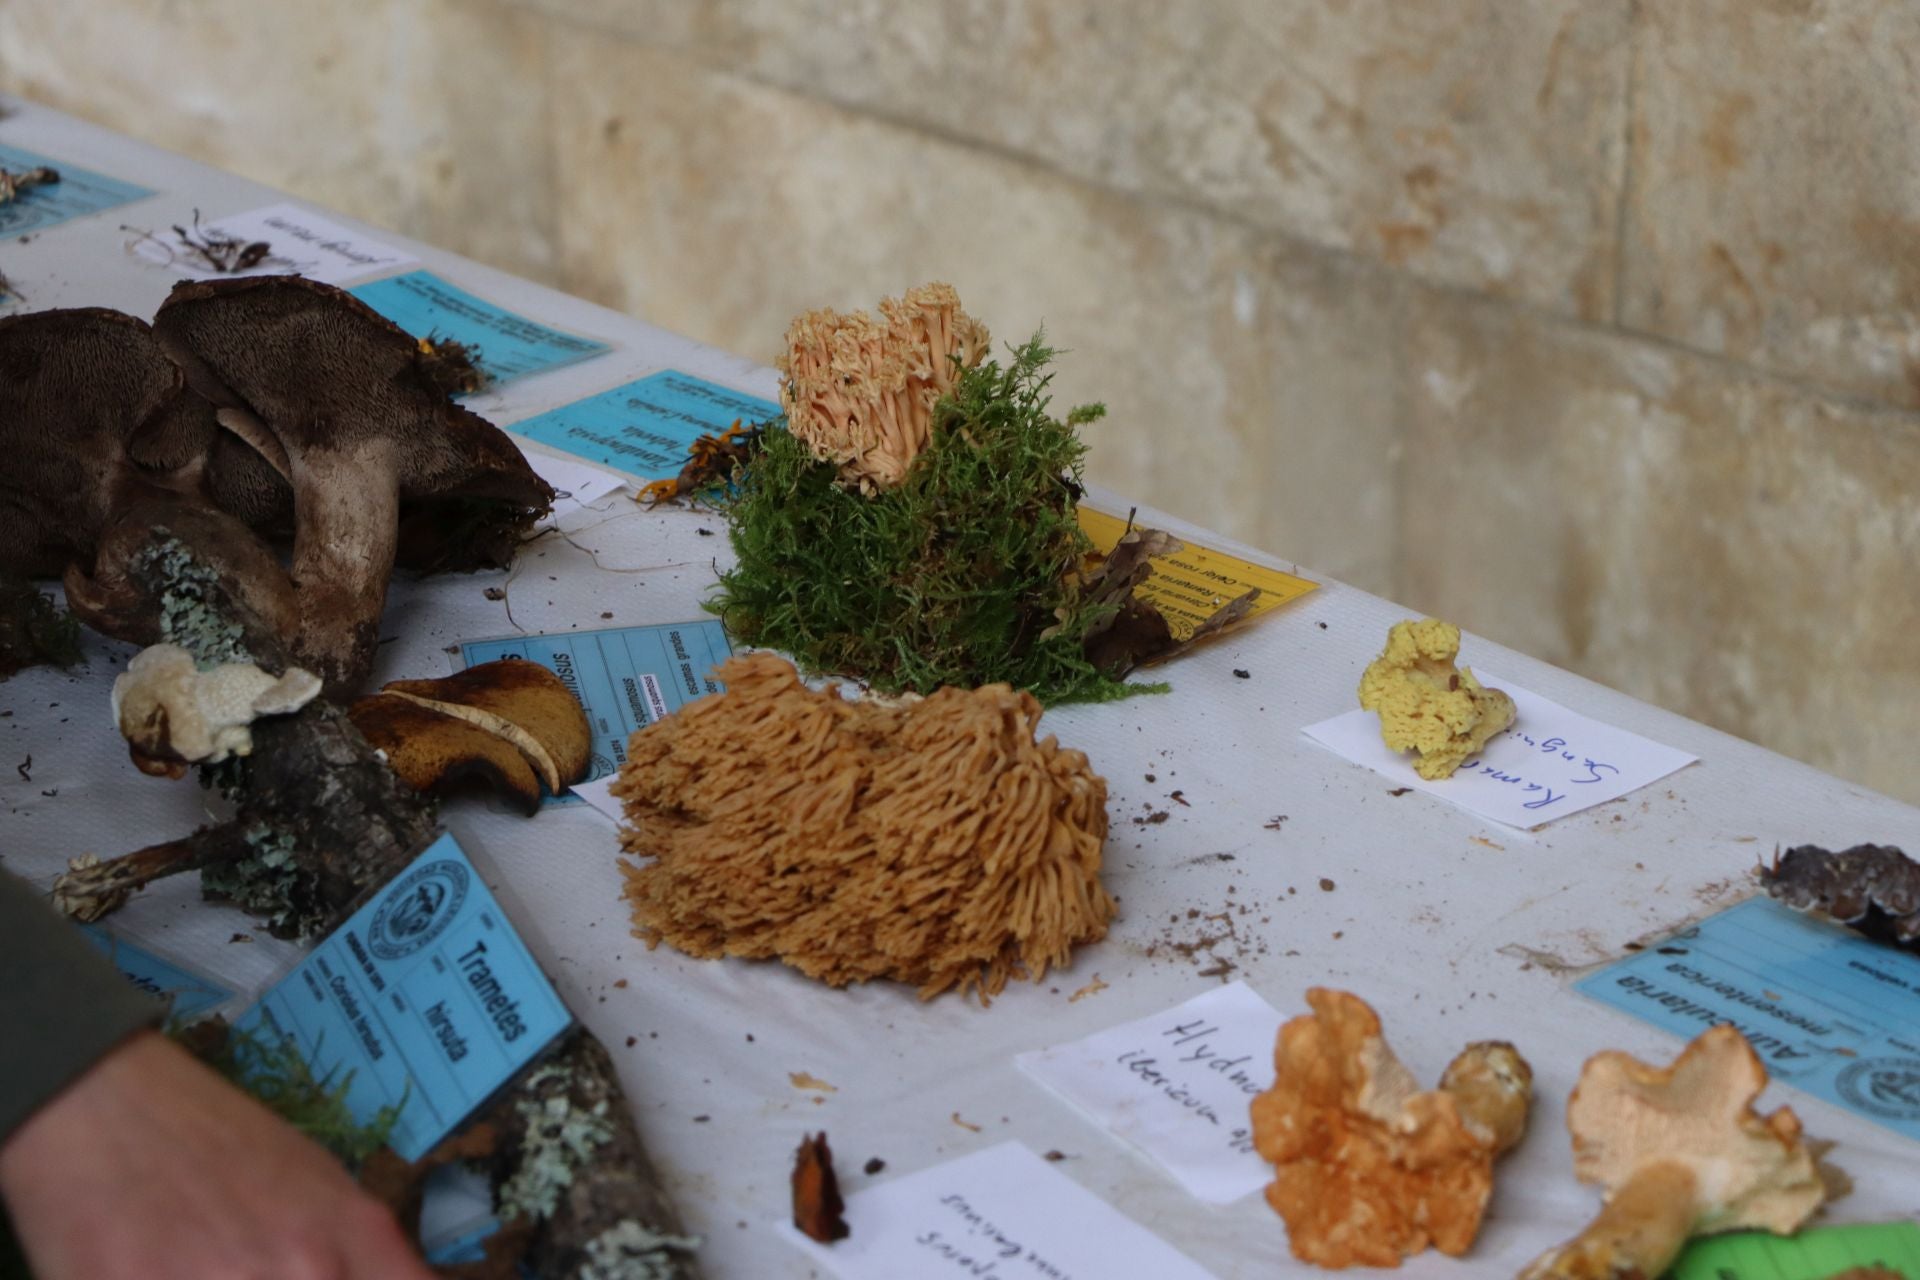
(510, 725)
(1679, 1151)
(818, 1210)
(710, 462)
(936, 843)
(1368, 1169)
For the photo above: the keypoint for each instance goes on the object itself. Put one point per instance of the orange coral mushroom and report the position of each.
(860, 392)
(934, 841)
(1368, 1168)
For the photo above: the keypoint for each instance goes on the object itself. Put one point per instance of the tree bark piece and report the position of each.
(320, 823)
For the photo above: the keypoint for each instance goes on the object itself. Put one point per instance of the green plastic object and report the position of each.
(1810, 1255)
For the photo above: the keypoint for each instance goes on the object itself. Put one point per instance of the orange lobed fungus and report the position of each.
(1369, 1169)
(860, 392)
(933, 841)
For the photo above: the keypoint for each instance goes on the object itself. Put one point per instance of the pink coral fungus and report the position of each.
(860, 392)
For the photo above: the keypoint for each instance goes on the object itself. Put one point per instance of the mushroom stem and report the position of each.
(1493, 1087)
(1638, 1234)
(346, 533)
(90, 889)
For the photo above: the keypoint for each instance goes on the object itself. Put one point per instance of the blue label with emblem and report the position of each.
(425, 999)
(1827, 1010)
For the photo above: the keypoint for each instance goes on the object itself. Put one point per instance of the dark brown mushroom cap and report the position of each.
(322, 369)
(93, 415)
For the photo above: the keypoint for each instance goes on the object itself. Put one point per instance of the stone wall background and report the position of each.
(1593, 325)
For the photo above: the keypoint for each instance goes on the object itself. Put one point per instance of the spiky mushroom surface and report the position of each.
(1427, 704)
(860, 392)
(936, 842)
(1679, 1151)
(1368, 1168)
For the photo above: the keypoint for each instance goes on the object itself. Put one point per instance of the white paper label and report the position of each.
(299, 242)
(1551, 763)
(1177, 1085)
(1002, 1213)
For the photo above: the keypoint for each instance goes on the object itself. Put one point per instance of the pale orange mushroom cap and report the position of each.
(1368, 1168)
(860, 392)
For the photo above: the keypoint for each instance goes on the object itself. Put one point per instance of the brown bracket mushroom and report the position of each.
(1871, 888)
(510, 724)
(333, 396)
(93, 417)
(1369, 1169)
(1679, 1152)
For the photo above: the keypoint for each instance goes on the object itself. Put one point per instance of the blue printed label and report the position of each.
(78, 193)
(626, 677)
(191, 993)
(426, 996)
(1826, 1009)
(508, 346)
(645, 428)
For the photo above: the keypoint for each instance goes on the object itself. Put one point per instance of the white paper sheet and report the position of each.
(598, 794)
(1551, 763)
(300, 243)
(578, 484)
(1003, 1213)
(1177, 1085)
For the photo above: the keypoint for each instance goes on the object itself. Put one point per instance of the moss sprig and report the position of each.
(966, 573)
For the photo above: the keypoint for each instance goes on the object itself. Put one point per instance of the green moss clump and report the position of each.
(966, 573)
(33, 629)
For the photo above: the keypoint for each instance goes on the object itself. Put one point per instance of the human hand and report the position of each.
(151, 1167)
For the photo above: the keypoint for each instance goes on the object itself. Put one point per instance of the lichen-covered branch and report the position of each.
(319, 820)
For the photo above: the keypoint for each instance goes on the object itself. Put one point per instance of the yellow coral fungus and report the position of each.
(1428, 705)
(860, 393)
(935, 841)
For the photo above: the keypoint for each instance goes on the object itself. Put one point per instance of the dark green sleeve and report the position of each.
(62, 1004)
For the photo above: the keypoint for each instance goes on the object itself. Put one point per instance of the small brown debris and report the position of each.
(1276, 821)
(1399, 791)
(1490, 844)
(1153, 819)
(971, 1128)
(495, 593)
(453, 366)
(620, 982)
(632, 1041)
(1092, 988)
(1179, 798)
(1327, 885)
(807, 1080)
(1056, 1156)
(818, 1210)
(873, 1166)
(24, 769)
(1239, 674)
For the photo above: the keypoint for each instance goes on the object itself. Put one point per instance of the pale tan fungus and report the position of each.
(935, 843)
(172, 713)
(1368, 1168)
(1678, 1152)
(860, 392)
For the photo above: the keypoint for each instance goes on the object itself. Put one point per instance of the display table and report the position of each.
(1453, 928)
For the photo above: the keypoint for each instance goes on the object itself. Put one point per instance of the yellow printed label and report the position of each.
(1192, 584)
